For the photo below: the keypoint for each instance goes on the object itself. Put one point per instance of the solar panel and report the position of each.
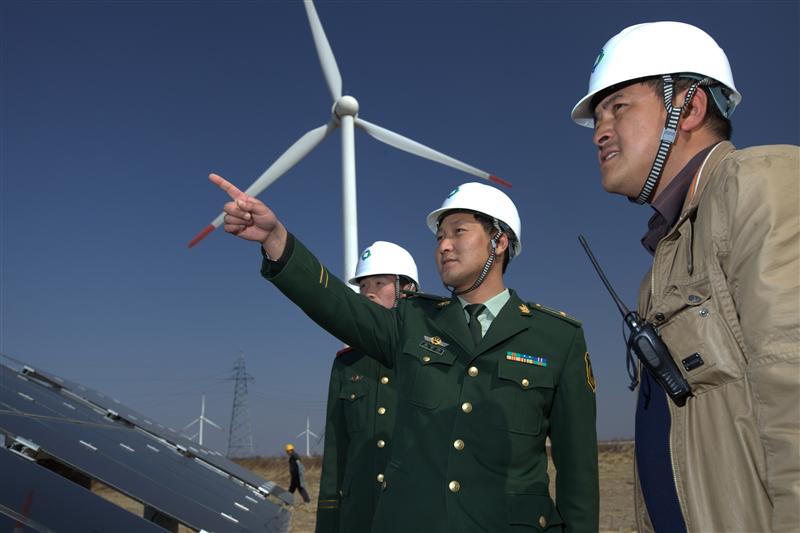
(41, 500)
(118, 411)
(42, 416)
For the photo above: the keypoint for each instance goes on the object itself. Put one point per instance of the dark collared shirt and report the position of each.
(669, 203)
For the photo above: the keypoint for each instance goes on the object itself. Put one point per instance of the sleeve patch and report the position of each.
(589, 374)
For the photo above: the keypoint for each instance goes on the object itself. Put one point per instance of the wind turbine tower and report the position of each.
(240, 434)
(344, 114)
(308, 434)
(200, 420)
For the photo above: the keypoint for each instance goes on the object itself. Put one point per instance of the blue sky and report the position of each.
(114, 113)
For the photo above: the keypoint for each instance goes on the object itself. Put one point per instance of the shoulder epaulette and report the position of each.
(553, 312)
(344, 350)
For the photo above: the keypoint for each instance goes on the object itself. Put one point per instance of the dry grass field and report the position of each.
(616, 488)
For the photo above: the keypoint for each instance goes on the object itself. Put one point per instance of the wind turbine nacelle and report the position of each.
(346, 105)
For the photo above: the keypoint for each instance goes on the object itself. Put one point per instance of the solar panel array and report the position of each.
(44, 416)
(46, 501)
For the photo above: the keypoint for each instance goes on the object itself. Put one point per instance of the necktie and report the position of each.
(474, 326)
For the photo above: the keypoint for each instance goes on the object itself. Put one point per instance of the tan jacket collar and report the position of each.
(714, 157)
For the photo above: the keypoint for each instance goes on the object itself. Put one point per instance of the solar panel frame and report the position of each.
(41, 500)
(118, 411)
(94, 439)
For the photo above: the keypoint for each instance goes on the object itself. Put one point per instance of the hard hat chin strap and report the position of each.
(667, 136)
(397, 290)
(487, 265)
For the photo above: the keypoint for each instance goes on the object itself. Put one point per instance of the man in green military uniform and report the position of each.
(477, 399)
(362, 404)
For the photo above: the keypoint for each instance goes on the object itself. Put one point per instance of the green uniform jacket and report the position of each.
(361, 414)
(469, 445)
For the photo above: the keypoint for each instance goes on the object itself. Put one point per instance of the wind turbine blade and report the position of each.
(413, 147)
(300, 434)
(326, 58)
(286, 161)
(190, 424)
(313, 434)
(208, 421)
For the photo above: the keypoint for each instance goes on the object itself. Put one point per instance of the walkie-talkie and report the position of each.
(646, 343)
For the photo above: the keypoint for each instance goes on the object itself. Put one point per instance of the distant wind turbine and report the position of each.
(308, 434)
(345, 115)
(201, 419)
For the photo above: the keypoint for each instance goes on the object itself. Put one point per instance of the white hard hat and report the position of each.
(383, 257)
(655, 49)
(486, 200)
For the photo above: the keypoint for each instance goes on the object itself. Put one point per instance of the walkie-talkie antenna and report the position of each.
(645, 341)
(622, 308)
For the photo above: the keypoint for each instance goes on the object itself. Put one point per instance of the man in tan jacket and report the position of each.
(724, 288)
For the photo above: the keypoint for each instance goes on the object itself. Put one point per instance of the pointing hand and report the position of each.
(250, 219)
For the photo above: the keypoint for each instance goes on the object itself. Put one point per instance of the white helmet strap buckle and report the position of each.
(667, 136)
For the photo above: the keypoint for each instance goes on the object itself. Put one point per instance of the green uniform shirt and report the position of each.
(360, 418)
(468, 452)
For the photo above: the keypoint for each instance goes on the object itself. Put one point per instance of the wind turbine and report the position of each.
(344, 115)
(201, 419)
(308, 434)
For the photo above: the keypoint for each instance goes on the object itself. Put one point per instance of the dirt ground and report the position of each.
(616, 488)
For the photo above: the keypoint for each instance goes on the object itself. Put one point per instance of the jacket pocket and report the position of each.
(430, 368)
(524, 393)
(699, 339)
(536, 511)
(354, 405)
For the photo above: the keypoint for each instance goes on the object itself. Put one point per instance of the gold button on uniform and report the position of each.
(458, 444)
(380, 478)
(454, 486)
(384, 380)
(426, 359)
(542, 521)
(473, 371)
(353, 396)
(381, 410)
(381, 443)
(525, 382)
(466, 407)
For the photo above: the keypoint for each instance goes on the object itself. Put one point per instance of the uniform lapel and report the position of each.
(514, 317)
(452, 322)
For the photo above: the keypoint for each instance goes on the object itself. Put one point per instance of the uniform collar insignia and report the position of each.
(524, 309)
(436, 341)
(443, 303)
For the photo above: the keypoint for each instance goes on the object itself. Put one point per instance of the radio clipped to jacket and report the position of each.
(646, 343)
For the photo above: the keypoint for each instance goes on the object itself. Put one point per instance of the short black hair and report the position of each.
(714, 119)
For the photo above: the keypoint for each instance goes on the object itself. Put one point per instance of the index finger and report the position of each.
(225, 185)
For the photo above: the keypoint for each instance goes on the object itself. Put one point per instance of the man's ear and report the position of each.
(502, 244)
(695, 113)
